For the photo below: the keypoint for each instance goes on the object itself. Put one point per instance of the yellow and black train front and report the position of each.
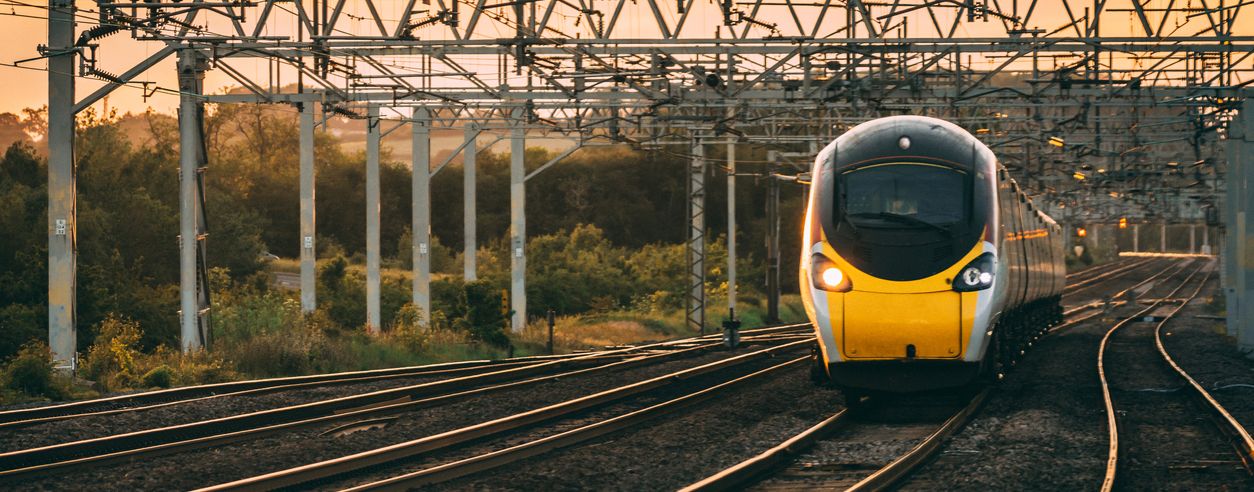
(900, 263)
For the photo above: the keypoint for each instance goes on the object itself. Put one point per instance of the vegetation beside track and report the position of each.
(267, 337)
(613, 268)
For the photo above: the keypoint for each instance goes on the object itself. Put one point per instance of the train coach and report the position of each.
(924, 265)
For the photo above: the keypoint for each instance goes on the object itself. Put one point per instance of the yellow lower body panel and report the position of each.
(884, 326)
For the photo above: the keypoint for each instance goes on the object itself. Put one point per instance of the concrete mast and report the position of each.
(374, 314)
(421, 228)
(308, 211)
(191, 77)
(469, 270)
(518, 222)
(62, 184)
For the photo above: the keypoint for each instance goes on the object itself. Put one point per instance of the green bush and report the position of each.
(483, 320)
(442, 259)
(278, 354)
(110, 361)
(20, 325)
(116, 362)
(161, 376)
(31, 372)
(263, 333)
(408, 330)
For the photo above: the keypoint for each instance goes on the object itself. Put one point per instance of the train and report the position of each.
(924, 265)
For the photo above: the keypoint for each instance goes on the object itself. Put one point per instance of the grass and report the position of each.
(621, 327)
(287, 265)
(573, 333)
(263, 334)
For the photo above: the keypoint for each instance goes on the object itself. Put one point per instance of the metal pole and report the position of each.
(1162, 237)
(1095, 234)
(518, 223)
(373, 311)
(1136, 238)
(551, 316)
(62, 211)
(308, 213)
(421, 232)
(731, 227)
(1192, 238)
(772, 242)
(468, 204)
(696, 238)
(1239, 249)
(190, 78)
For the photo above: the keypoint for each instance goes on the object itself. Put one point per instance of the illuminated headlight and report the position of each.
(827, 276)
(977, 275)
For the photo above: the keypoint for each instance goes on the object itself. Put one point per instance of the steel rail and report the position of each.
(348, 464)
(1097, 268)
(52, 454)
(154, 399)
(744, 473)
(1240, 437)
(1178, 268)
(496, 459)
(1088, 283)
(264, 390)
(367, 412)
(901, 467)
(193, 392)
(1075, 321)
(748, 472)
(1095, 304)
(22, 462)
(1112, 457)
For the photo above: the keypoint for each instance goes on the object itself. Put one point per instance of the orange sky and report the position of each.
(28, 88)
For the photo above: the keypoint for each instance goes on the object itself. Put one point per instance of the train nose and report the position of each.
(883, 326)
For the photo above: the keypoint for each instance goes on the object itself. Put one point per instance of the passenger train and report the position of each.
(924, 265)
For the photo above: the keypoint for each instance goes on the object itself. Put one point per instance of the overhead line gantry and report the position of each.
(1111, 91)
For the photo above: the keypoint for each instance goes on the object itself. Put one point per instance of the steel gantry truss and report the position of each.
(1085, 102)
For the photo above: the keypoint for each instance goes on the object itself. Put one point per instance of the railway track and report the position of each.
(1099, 268)
(346, 467)
(925, 438)
(1151, 401)
(16, 465)
(1105, 303)
(1091, 281)
(190, 394)
(788, 467)
(571, 423)
(845, 455)
(177, 396)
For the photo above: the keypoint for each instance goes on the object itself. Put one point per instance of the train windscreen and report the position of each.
(904, 195)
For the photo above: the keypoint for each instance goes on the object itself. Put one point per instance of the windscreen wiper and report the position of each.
(903, 219)
(844, 218)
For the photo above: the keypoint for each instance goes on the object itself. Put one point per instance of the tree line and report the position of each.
(606, 225)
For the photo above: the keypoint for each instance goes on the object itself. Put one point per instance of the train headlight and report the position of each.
(832, 277)
(977, 275)
(826, 276)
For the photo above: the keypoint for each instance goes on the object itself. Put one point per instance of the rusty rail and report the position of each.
(293, 477)
(155, 399)
(234, 428)
(1112, 424)
(495, 459)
